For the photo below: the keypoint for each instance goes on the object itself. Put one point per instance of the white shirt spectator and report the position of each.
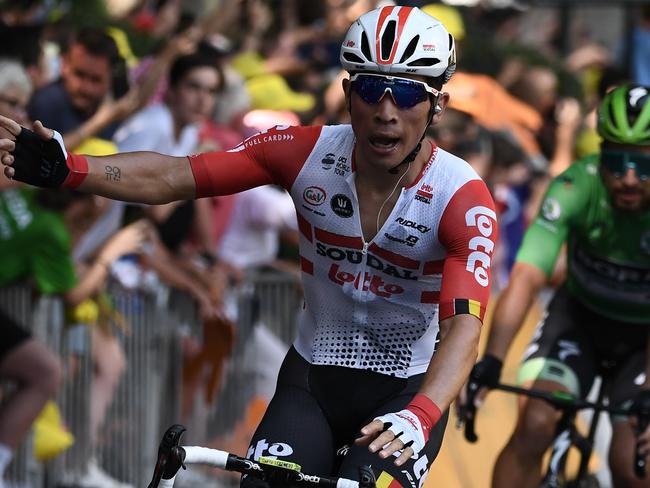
(252, 235)
(152, 129)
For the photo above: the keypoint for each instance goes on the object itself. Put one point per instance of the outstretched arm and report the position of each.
(144, 177)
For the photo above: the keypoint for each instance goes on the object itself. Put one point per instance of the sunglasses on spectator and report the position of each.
(618, 162)
(406, 93)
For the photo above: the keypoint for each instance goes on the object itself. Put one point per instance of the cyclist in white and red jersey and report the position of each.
(396, 242)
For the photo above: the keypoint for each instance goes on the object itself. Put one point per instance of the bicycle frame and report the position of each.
(567, 434)
(172, 457)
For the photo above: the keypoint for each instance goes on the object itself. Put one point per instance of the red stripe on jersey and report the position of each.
(425, 168)
(394, 258)
(273, 156)
(433, 267)
(306, 265)
(305, 227)
(468, 231)
(430, 297)
(351, 242)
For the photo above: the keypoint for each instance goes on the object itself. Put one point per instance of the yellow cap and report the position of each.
(249, 64)
(95, 146)
(450, 18)
(50, 437)
(272, 92)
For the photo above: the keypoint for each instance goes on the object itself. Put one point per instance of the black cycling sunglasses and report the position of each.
(618, 162)
(405, 92)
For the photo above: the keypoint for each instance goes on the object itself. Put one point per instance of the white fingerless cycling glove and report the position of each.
(407, 426)
(413, 424)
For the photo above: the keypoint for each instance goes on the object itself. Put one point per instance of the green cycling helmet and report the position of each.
(624, 115)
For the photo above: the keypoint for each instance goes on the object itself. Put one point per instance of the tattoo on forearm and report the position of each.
(113, 173)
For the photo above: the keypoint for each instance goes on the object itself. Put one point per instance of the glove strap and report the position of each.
(427, 411)
(78, 166)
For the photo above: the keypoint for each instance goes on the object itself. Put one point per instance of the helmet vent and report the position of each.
(410, 49)
(387, 40)
(424, 62)
(365, 47)
(352, 58)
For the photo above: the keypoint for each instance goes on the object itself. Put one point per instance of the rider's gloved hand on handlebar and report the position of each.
(407, 430)
(487, 372)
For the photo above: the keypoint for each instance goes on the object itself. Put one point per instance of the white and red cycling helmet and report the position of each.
(399, 40)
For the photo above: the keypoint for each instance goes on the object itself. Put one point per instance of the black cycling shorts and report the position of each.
(573, 344)
(317, 412)
(12, 335)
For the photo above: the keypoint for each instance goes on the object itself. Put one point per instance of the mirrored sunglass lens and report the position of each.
(618, 162)
(614, 162)
(369, 88)
(405, 93)
(408, 94)
(642, 163)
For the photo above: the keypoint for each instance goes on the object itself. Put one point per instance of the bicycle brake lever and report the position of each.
(468, 412)
(367, 477)
(170, 455)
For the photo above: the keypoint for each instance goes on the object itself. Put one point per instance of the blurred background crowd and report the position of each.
(187, 76)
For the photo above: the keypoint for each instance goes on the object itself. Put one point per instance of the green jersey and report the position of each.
(608, 250)
(34, 243)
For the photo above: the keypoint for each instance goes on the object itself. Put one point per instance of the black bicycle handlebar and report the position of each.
(172, 456)
(558, 399)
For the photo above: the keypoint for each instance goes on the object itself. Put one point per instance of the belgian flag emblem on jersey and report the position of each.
(387, 481)
(463, 306)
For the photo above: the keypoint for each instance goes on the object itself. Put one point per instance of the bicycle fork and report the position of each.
(568, 435)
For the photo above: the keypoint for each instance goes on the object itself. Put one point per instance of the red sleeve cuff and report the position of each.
(201, 175)
(78, 166)
(427, 411)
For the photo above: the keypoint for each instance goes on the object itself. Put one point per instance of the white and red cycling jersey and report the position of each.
(370, 305)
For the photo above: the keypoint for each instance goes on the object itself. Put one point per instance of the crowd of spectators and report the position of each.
(181, 77)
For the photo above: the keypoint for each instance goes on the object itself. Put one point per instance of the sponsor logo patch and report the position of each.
(355, 256)
(551, 209)
(314, 195)
(413, 225)
(478, 261)
(342, 205)
(342, 167)
(424, 194)
(328, 161)
(410, 240)
(364, 281)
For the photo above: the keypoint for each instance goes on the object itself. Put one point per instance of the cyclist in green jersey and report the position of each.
(599, 207)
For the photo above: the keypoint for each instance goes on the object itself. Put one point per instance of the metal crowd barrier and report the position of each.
(148, 396)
